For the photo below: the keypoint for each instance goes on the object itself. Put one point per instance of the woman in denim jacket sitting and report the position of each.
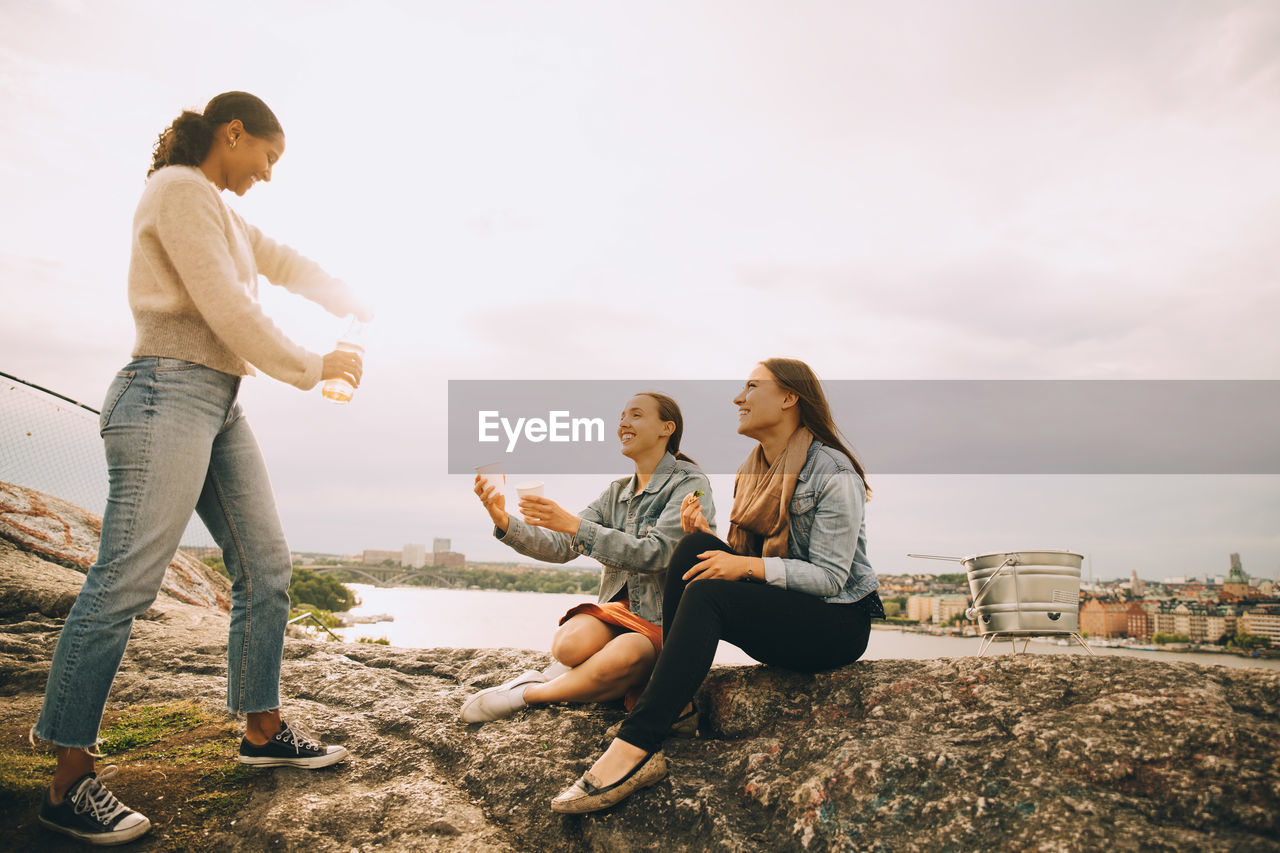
(792, 587)
(604, 651)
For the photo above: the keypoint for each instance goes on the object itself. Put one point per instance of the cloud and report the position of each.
(915, 190)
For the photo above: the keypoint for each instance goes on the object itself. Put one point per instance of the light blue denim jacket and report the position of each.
(827, 551)
(631, 535)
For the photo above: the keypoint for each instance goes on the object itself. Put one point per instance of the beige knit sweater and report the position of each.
(193, 283)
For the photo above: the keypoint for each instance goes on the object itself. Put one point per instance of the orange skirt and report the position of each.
(617, 613)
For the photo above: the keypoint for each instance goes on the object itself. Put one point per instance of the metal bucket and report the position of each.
(1025, 592)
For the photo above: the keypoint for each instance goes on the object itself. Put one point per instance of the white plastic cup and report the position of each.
(528, 488)
(491, 475)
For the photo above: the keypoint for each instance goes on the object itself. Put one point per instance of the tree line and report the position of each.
(533, 580)
(307, 590)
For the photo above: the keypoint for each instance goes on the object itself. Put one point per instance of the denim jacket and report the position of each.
(631, 535)
(827, 551)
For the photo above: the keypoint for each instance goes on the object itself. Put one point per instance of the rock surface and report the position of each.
(1026, 752)
(65, 534)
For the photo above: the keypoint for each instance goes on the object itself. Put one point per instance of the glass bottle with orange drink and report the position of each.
(340, 390)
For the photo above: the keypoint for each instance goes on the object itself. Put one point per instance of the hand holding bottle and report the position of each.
(343, 367)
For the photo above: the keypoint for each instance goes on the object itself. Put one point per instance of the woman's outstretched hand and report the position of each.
(341, 364)
(691, 517)
(726, 566)
(494, 501)
(544, 512)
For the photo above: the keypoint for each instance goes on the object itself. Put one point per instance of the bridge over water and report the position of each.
(398, 575)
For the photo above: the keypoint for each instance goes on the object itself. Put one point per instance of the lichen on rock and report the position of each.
(68, 535)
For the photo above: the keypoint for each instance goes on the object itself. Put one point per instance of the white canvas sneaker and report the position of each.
(494, 703)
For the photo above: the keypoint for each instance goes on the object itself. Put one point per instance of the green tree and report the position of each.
(319, 591)
(537, 580)
(1162, 638)
(1245, 640)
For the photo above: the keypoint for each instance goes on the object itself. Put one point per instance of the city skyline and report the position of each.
(1086, 576)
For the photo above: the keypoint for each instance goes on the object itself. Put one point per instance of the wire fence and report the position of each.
(50, 443)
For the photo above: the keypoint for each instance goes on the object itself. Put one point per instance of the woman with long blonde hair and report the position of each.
(792, 587)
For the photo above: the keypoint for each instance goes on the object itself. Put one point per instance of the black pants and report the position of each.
(775, 626)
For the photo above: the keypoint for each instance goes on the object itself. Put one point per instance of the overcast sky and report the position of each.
(660, 190)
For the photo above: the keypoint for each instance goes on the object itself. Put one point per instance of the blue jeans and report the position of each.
(176, 440)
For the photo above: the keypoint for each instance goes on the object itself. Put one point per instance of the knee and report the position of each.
(688, 548)
(704, 594)
(569, 646)
(697, 542)
(105, 598)
(637, 655)
(271, 575)
(264, 587)
(628, 657)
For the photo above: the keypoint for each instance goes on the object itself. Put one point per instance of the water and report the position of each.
(455, 618)
(470, 618)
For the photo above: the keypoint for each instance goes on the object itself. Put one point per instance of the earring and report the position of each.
(232, 144)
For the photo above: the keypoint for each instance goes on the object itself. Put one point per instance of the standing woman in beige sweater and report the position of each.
(177, 440)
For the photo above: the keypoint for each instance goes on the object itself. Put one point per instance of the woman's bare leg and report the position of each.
(617, 761)
(624, 662)
(580, 637)
(262, 726)
(73, 763)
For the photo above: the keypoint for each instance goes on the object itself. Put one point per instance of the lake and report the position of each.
(456, 618)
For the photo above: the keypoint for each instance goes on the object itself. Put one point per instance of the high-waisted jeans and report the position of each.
(775, 626)
(176, 440)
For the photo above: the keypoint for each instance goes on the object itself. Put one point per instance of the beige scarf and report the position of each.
(760, 523)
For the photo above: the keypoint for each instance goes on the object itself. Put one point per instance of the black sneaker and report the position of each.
(288, 748)
(91, 813)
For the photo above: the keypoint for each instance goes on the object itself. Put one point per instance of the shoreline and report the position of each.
(428, 617)
(1176, 648)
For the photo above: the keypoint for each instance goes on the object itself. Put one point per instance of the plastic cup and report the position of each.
(528, 488)
(492, 475)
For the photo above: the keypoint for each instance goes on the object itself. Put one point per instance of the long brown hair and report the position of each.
(669, 411)
(795, 376)
(187, 141)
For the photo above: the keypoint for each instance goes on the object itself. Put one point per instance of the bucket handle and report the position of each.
(972, 613)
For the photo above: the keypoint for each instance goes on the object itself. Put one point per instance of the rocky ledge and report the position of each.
(63, 533)
(1027, 752)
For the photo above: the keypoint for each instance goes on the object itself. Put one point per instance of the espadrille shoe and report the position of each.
(589, 795)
